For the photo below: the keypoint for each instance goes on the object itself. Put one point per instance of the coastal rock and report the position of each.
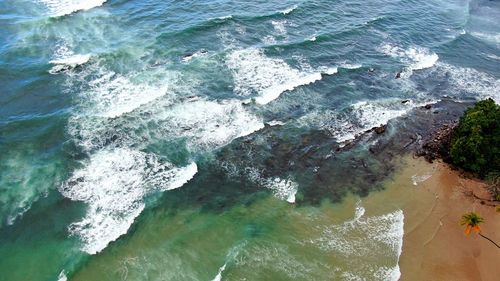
(380, 130)
(438, 143)
(323, 163)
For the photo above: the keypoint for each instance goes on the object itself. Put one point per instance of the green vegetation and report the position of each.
(471, 222)
(493, 180)
(475, 145)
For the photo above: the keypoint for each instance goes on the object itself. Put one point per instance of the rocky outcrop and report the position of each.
(437, 145)
(322, 163)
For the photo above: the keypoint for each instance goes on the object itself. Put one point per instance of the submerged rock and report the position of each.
(380, 130)
(438, 144)
(319, 164)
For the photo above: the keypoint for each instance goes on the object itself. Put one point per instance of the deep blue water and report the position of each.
(107, 110)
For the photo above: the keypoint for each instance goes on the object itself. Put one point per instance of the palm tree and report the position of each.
(472, 221)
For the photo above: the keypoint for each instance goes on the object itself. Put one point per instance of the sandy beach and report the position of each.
(434, 198)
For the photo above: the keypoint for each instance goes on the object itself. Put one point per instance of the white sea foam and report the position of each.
(422, 58)
(65, 59)
(416, 179)
(230, 257)
(72, 60)
(289, 10)
(365, 239)
(275, 123)
(225, 17)
(112, 95)
(218, 277)
(414, 57)
(113, 183)
(22, 181)
(201, 123)
(379, 234)
(65, 7)
(62, 276)
(275, 91)
(269, 40)
(351, 66)
(104, 95)
(359, 117)
(466, 81)
(279, 32)
(370, 114)
(279, 27)
(277, 257)
(67, 63)
(359, 211)
(199, 53)
(283, 189)
(488, 37)
(254, 72)
(392, 273)
(350, 276)
(328, 70)
(107, 95)
(207, 123)
(492, 56)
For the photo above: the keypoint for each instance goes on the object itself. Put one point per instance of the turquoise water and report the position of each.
(167, 140)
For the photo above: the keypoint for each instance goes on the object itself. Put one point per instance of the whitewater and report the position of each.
(167, 140)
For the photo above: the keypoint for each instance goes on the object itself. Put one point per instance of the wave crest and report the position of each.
(59, 8)
(415, 58)
(363, 239)
(114, 183)
(254, 72)
(357, 118)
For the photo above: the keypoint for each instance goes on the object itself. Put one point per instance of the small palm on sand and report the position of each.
(471, 222)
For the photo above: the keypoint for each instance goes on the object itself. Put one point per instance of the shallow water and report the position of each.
(165, 140)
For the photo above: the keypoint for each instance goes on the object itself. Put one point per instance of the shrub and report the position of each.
(475, 145)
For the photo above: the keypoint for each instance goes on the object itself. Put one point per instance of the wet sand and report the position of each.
(435, 246)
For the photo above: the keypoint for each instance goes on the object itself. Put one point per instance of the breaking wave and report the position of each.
(283, 189)
(363, 239)
(208, 123)
(466, 81)
(357, 118)
(415, 58)
(113, 183)
(65, 59)
(59, 8)
(289, 10)
(68, 63)
(268, 78)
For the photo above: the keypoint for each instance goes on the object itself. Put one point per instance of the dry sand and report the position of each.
(435, 246)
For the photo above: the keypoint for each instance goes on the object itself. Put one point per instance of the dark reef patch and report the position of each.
(323, 168)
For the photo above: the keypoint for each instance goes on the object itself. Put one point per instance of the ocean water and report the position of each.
(169, 140)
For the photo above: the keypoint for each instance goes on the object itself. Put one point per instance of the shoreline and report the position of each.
(434, 197)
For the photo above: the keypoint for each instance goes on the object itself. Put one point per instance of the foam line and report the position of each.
(415, 57)
(113, 183)
(59, 8)
(255, 73)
